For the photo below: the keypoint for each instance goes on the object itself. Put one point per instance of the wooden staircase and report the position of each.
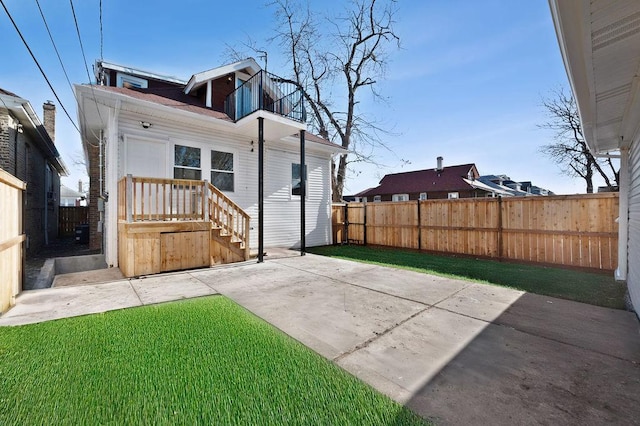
(229, 228)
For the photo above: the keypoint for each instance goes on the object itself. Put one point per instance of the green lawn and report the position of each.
(593, 288)
(202, 361)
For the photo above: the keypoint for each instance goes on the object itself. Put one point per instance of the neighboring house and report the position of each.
(207, 128)
(513, 188)
(458, 181)
(70, 197)
(27, 151)
(600, 46)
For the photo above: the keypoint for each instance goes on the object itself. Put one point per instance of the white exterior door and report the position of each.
(146, 158)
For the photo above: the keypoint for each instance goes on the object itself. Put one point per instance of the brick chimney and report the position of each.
(49, 118)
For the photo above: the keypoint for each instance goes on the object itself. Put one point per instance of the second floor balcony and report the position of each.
(266, 92)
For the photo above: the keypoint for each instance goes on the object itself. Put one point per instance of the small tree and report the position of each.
(570, 149)
(332, 60)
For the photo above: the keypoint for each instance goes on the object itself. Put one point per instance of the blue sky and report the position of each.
(466, 84)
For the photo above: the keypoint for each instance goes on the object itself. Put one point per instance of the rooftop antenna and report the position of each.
(263, 56)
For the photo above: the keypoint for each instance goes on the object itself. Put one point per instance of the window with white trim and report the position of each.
(377, 199)
(400, 197)
(453, 195)
(295, 179)
(129, 81)
(187, 163)
(222, 174)
(423, 196)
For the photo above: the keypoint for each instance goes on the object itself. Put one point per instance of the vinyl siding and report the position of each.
(633, 276)
(282, 211)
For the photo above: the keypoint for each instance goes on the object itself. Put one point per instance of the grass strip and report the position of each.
(200, 361)
(593, 288)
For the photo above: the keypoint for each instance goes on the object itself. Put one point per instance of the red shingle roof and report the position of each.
(449, 179)
(172, 97)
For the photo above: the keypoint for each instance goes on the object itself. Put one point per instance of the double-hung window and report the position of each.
(187, 163)
(222, 170)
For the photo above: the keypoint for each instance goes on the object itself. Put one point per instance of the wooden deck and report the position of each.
(175, 224)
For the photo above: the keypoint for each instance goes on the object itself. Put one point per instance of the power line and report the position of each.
(101, 33)
(56, 50)
(75, 20)
(84, 57)
(38, 64)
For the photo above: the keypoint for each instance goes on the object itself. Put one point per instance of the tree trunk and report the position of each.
(338, 178)
(588, 177)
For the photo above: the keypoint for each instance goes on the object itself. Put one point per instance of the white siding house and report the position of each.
(600, 45)
(142, 132)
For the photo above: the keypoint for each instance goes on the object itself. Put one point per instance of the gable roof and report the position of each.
(200, 78)
(450, 178)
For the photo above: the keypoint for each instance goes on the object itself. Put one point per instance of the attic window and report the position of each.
(129, 81)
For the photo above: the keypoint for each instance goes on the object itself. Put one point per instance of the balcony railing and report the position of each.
(267, 92)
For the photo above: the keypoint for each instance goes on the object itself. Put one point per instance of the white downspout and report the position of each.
(623, 216)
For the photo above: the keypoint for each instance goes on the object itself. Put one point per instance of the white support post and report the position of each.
(208, 100)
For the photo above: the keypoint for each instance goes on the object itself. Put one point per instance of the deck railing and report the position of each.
(267, 92)
(153, 199)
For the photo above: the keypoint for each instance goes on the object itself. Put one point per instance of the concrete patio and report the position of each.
(454, 351)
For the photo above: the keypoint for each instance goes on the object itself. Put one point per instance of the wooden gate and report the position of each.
(69, 218)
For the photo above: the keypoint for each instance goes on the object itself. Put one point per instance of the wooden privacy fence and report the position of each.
(571, 230)
(11, 239)
(69, 217)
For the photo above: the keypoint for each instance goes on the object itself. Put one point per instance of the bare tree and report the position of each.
(332, 59)
(570, 149)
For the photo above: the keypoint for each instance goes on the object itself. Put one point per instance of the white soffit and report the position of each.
(600, 44)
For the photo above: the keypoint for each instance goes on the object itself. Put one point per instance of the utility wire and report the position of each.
(38, 64)
(84, 57)
(57, 53)
(75, 20)
(101, 33)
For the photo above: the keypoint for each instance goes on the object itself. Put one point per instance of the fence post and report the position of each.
(500, 249)
(364, 225)
(129, 201)
(345, 224)
(419, 227)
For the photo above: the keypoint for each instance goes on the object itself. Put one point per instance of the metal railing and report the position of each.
(267, 92)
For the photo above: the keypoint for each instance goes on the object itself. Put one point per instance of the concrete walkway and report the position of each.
(453, 351)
